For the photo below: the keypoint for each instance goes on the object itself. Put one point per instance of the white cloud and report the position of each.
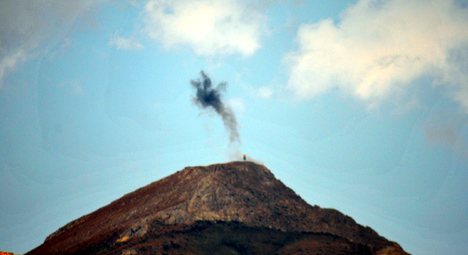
(265, 92)
(208, 27)
(30, 28)
(237, 104)
(456, 75)
(378, 48)
(123, 43)
(9, 62)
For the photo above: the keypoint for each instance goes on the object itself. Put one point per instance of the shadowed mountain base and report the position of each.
(205, 237)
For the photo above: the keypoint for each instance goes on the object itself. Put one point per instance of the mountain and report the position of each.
(232, 208)
(6, 253)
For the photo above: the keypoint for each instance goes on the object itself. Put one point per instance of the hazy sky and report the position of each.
(361, 106)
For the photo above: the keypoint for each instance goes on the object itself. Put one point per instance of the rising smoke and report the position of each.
(208, 97)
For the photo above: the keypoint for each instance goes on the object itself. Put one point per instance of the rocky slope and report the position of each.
(6, 253)
(232, 208)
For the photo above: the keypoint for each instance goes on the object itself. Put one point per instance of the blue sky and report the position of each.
(361, 106)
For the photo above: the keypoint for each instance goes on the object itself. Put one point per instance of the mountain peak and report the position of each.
(220, 197)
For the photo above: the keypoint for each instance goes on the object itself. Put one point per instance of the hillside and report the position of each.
(232, 208)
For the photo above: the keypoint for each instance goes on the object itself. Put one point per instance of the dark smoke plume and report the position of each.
(209, 97)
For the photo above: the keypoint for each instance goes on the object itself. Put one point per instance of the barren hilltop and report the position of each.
(232, 208)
